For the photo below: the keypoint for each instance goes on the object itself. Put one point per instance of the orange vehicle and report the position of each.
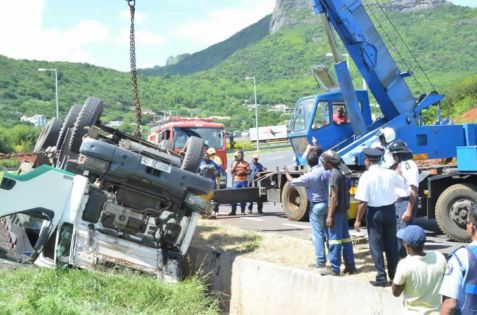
(172, 133)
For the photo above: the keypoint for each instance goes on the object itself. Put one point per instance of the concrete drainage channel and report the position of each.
(249, 286)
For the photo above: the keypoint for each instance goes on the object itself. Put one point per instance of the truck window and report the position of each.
(302, 114)
(22, 236)
(213, 137)
(322, 115)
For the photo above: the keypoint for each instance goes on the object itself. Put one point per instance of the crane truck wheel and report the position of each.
(192, 154)
(452, 208)
(294, 202)
(88, 116)
(68, 123)
(49, 135)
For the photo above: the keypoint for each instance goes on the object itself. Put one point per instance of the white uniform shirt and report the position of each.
(410, 172)
(453, 283)
(377, 186)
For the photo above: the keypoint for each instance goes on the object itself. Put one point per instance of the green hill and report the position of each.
(441, 39)
(212, 56)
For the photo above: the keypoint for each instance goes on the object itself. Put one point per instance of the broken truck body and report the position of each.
(116, 202)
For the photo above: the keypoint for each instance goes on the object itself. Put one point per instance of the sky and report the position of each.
(97, 32)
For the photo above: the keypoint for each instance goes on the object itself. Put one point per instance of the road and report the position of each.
(274, 221)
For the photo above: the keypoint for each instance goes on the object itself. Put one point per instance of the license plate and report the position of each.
(157, 165)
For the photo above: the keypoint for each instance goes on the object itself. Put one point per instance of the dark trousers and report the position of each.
(381, 225)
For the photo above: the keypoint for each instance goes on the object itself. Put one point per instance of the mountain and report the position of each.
(215, 54)
(279, 51)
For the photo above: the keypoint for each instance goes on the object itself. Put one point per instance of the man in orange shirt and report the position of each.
(240, 171)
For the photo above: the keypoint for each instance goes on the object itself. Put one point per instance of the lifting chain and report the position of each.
(132, 51)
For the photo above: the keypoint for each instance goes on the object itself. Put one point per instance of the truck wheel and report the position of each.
(452, 208)
(68, 123)
(49, 135)
(294, 202)
(192, 154)
(88, 116)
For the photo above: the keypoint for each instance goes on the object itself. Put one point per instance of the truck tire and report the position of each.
(192, 154)
(451, 210)
(294, 202)
(68, 123)
(88, 116)
(49, 135)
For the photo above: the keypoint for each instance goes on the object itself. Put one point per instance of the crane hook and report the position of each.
(131, 3)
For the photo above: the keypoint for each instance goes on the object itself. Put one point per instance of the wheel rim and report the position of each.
(459, 210)
(294, 200)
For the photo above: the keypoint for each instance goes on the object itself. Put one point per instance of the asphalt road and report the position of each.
(274, 221)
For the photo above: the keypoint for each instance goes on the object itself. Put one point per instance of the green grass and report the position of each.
(50, 291)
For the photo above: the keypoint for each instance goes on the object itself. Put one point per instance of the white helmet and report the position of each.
(388, 133)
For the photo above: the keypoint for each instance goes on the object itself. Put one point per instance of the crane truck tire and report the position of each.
(452, 208)
(294, 202)
(88, 116)
(49, 135)
(192, 154)
(68, 123)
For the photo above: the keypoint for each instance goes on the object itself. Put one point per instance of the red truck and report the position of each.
(172, 133)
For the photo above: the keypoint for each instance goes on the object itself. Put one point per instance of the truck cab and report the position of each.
(325, 118)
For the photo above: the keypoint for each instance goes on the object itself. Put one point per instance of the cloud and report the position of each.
(221, 24)
(27, 37)
(143, 38)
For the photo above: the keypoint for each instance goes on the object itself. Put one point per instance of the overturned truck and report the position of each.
(98, 198)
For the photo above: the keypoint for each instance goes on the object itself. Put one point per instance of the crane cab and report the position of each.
(326, 118)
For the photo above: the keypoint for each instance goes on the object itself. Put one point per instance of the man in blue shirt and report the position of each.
(316, 185)
(212, 170)
(255, 169)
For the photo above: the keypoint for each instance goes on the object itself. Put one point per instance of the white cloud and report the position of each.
(221, 24)
(26, 37)
(142, 37)
(139, 17)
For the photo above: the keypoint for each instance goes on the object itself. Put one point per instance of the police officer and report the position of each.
(407, 168)
(459, 287)
(376, 192)
(386, 136)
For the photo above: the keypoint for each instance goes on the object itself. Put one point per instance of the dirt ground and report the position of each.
(273, 248)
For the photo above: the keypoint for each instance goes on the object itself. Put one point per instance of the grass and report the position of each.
(49, 291)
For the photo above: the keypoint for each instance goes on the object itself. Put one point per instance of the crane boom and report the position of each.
(367, 49)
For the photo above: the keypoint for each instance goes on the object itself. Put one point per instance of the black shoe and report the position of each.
(243, 213)
(249, 211)
(350, 271)
(378, 284)
(232, 213)
(260, 211)
(250, 208)
(328, 272)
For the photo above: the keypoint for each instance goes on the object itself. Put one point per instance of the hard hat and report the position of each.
(388, 133)
(398, 146)
(255, 156)
(211, 151)
(238, 152)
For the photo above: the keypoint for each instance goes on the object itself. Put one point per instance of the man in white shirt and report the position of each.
(419, 275)
(407, 197)
(459, 287)
(377, 193)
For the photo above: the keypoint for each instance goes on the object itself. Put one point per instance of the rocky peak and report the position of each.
(292, 12)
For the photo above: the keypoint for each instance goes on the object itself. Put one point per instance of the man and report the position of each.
(458, 288)
(337, 217)
(316, 185)
(240, 170)
(376, 192)
(340, 118)
(386, 136)
(214, 157)
(255, 169)
(419, 275)
(407, 197)
(212, 170)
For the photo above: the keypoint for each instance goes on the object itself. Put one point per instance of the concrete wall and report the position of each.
(265, 288)
(247, 286)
